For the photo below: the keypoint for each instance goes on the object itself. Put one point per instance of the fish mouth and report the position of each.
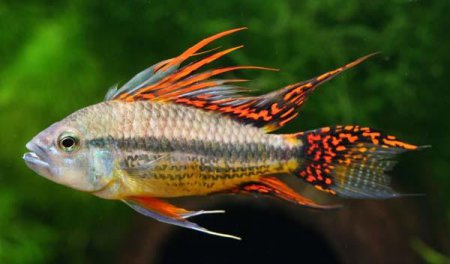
(35, 159)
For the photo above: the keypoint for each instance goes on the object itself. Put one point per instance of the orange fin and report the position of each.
(274, 187)
(170, 214)
(270, 111)
(160, 81)
(167, 81)
(350, 161)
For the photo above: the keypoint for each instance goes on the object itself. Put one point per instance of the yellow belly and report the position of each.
(169, 179)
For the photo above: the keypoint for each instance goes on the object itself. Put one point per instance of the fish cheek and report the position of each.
(72, 173)
(69, 169)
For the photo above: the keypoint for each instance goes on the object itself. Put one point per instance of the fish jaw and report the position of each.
(37, 160)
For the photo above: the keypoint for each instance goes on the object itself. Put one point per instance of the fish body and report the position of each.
(170, 150)
(174, 130)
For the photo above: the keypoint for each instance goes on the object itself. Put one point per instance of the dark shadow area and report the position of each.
(272, 237)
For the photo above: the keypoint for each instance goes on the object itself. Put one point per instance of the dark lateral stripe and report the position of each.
(250, 151)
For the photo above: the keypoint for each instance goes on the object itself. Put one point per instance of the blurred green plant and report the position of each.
(428, 254)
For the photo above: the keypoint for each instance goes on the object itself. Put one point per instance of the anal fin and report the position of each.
(276, 188)
(170, 214)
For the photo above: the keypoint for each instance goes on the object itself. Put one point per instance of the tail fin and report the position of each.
(350, 161)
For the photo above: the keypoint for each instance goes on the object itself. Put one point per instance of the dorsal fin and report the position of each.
(167, 81)
(164, 80)
(270, 111)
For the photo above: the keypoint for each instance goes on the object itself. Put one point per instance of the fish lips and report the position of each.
(36, 159)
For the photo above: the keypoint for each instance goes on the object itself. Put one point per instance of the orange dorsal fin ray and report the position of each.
(167, 75)
(275, 109)
(270, 111)
(168, 81)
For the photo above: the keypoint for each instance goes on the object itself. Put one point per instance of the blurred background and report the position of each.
(59, 56)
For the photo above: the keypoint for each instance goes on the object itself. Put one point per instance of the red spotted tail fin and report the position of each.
(350, 161)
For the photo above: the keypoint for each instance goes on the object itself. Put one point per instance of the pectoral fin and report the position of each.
(142, 167)
(170, 214)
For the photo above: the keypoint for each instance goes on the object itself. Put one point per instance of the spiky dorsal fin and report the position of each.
(167, 81)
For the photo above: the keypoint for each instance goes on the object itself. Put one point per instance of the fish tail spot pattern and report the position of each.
(350, 161)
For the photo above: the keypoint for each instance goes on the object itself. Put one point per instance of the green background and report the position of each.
(59, 56)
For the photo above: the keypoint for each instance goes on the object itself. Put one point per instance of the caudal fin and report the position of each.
(350, 161)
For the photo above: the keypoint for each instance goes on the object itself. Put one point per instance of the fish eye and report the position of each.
(68, 142)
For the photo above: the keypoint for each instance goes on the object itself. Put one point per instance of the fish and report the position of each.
(177, 129)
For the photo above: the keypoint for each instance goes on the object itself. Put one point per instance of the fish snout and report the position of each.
(37, 158)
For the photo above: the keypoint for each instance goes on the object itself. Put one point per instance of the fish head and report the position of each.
(61, 154)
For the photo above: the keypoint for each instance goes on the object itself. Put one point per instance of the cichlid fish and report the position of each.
(173, 131)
